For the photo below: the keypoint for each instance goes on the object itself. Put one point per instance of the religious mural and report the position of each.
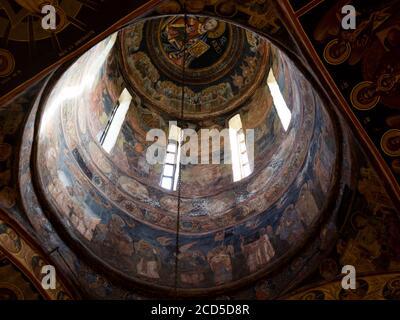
(19, 251)
(369, 53)
(17, 289)
(200, 39)
(129, 156)
(238, 235)
(128, 222)
(262, 16)
(221, 66)
(374, 287)
(26, 49)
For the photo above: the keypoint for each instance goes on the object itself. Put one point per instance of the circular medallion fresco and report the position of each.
(7, 63)
(207, 49)
(390, 142)
(223, 65)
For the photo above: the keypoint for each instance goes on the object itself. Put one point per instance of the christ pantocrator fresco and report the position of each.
(201, 35)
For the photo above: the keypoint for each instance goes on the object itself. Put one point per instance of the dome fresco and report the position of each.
(110, 202)
(99, 118)
(222, 66)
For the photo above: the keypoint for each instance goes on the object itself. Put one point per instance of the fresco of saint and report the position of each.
(197, 33)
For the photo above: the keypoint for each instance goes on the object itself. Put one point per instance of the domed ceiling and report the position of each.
(110, 204)
(223, 65)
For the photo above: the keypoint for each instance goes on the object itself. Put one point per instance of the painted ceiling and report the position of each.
(378, 40)
(112, 204)
(223, 66)
(13, 284)
(340, 154)
(28, 52)
(363, 65)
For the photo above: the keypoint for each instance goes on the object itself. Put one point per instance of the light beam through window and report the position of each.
(279, 102)
(114, 124)
(240, 160)
(170, 174)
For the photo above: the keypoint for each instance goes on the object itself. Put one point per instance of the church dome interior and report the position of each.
(198, 149)
(229, 223)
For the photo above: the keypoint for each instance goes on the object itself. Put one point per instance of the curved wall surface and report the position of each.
(110, 207)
